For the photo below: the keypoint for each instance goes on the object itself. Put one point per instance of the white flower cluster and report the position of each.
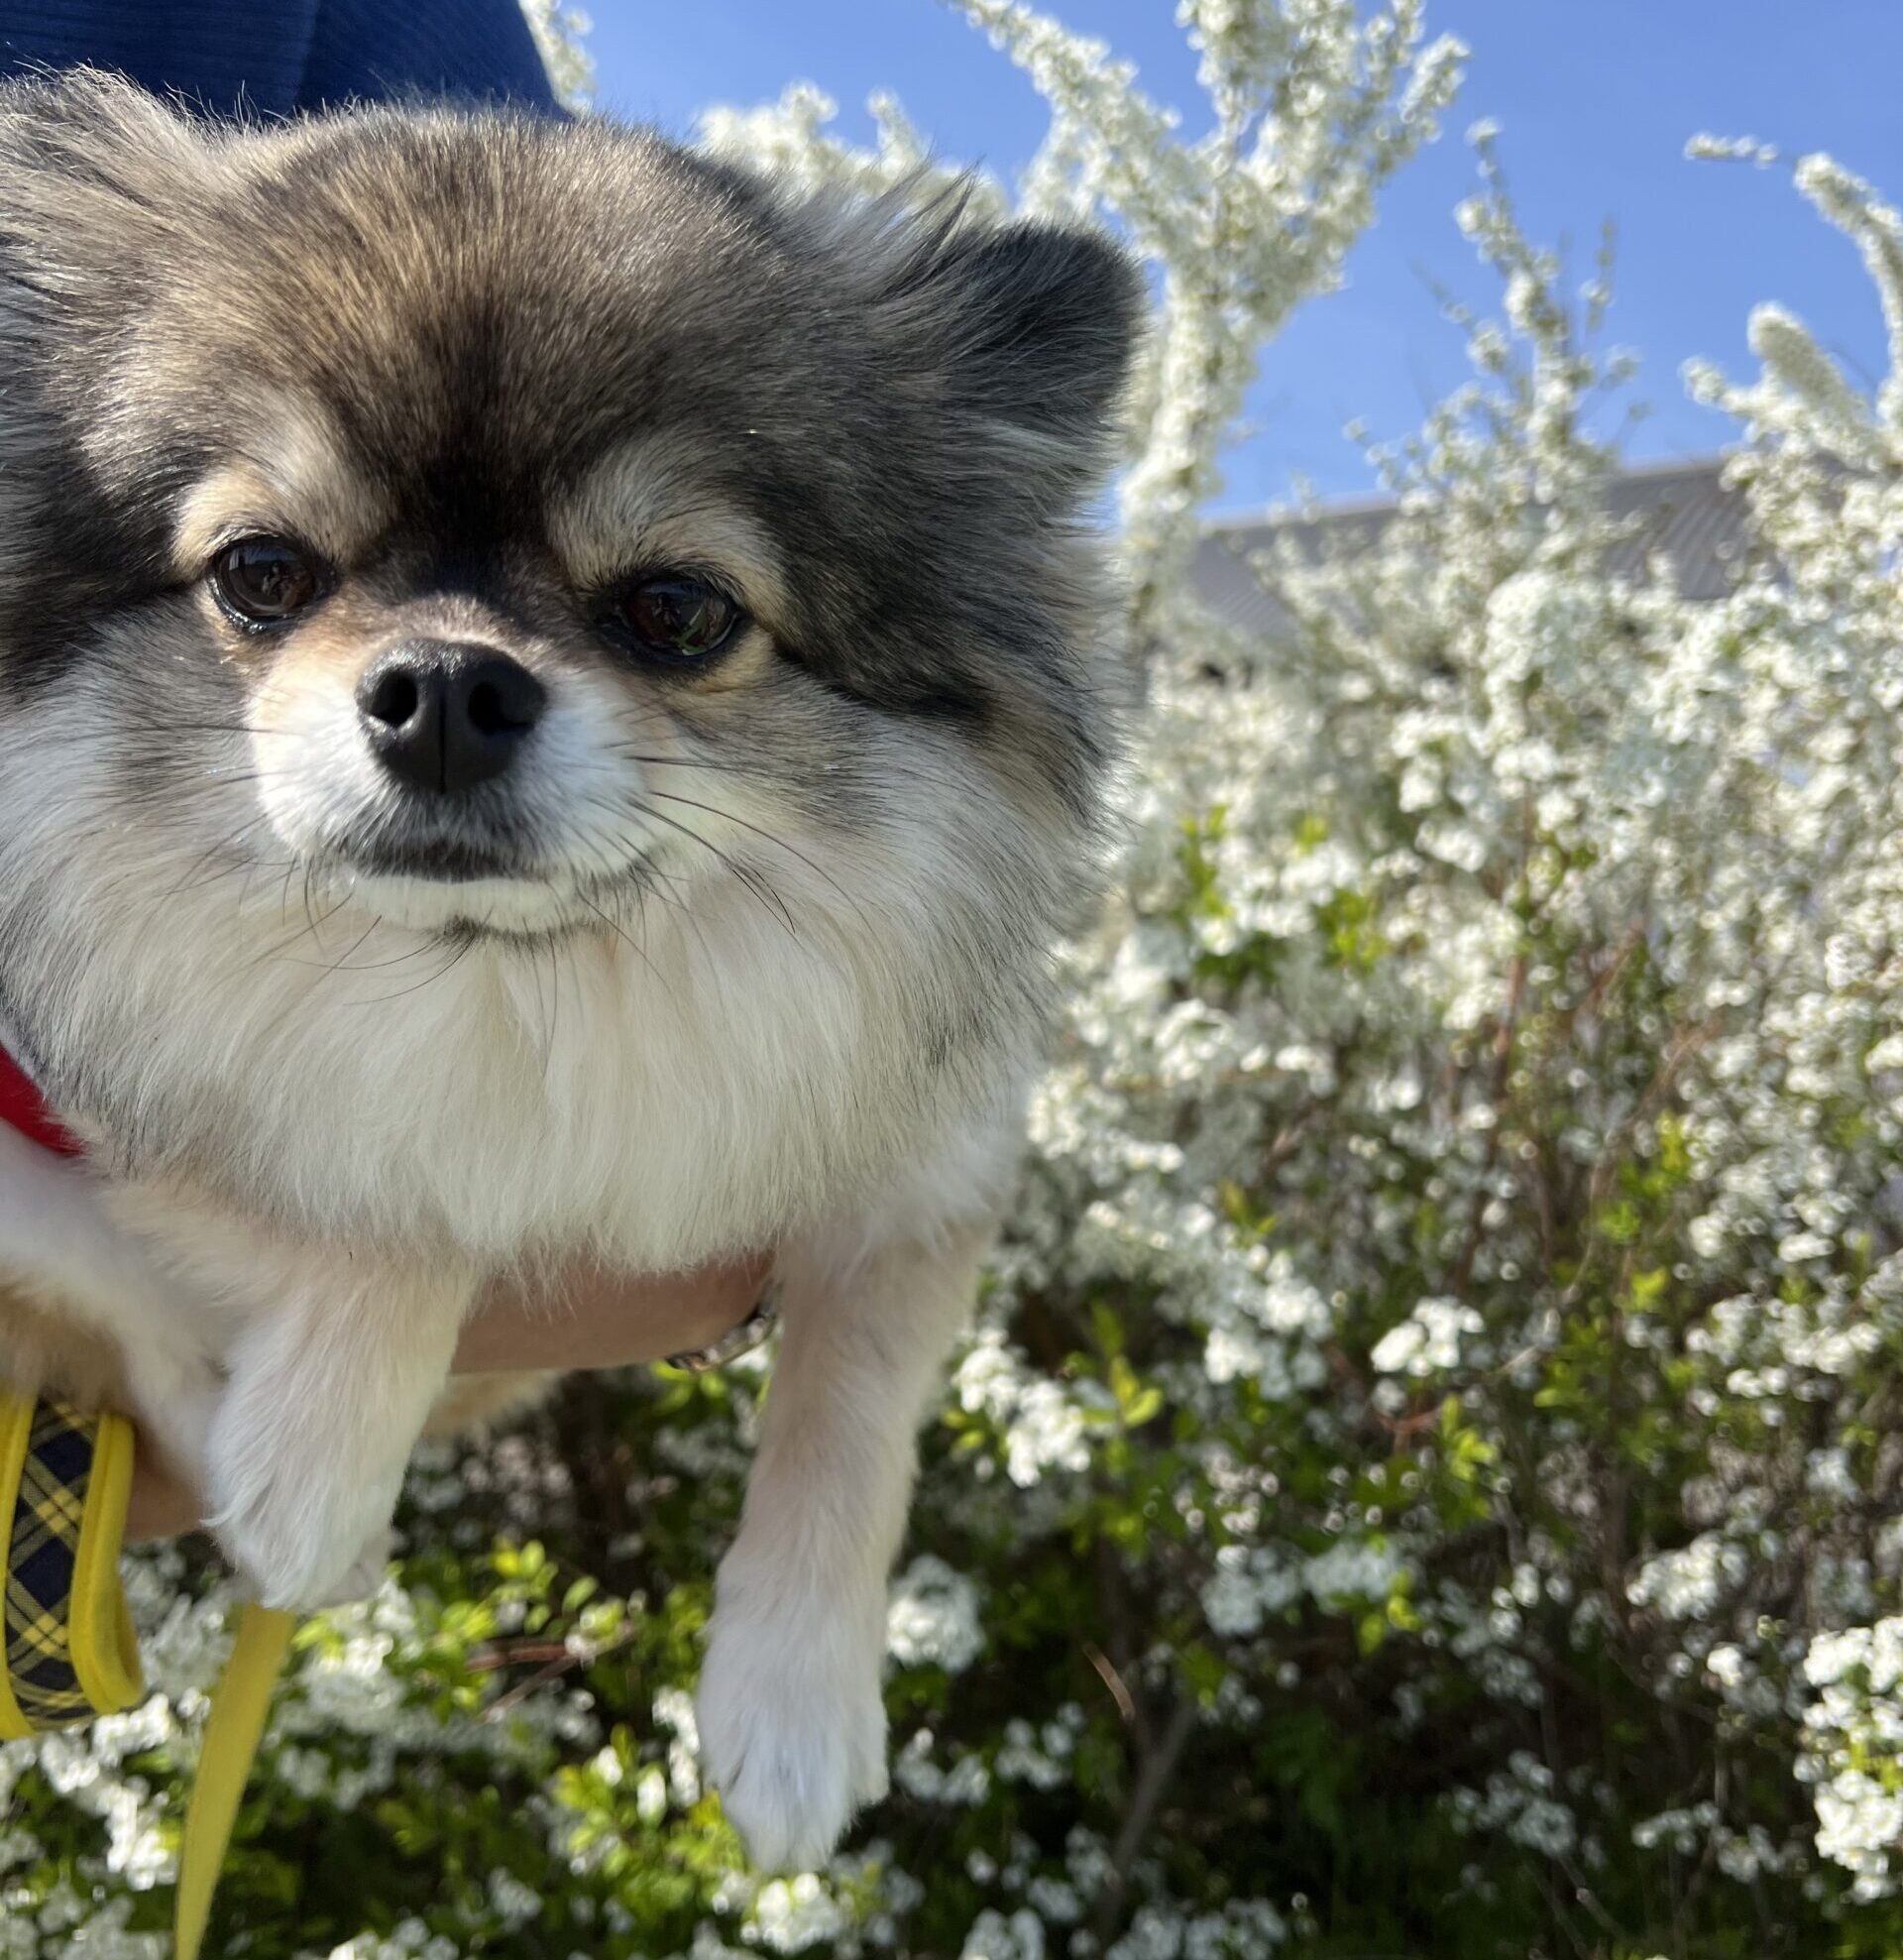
(933, 1618)
(1853, 1752)
(560, 32)
(1427, 1343)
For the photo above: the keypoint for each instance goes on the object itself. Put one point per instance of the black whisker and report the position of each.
(456, 955)
(771, 899)
(226, 727)
(780, 844)
(639, 952)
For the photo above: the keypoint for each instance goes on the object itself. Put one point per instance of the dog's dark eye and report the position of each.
(673, 617)
(264, 579)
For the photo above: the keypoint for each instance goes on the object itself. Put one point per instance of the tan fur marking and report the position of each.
(296, 482)
(642, 508)
(743, 664)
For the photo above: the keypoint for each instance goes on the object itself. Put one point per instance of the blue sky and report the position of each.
(1595, 99)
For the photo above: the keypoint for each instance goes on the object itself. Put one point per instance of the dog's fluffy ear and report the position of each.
(97, 179)
(100, 185)
(1030, 330)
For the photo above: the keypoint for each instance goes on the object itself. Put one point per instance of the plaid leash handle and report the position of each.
(64, 1479)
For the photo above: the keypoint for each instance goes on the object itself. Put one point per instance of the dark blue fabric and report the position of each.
(275, 57)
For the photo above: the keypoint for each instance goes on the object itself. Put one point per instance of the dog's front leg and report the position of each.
(791, 1717)
(329, 1388)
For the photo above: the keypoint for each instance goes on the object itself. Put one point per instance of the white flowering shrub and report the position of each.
(1424, 1478)
(560, 32)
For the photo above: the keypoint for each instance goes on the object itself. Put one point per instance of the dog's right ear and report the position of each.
(99, 182)
(100, 185)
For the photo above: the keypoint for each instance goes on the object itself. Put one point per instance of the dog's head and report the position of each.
(484, 519)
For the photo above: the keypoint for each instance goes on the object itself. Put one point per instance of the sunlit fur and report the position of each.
(749, 953)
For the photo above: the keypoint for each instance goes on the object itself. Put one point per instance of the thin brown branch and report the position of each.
(1146, 1798)
(1114, 1682)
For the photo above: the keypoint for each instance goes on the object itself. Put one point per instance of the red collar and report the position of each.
(24, 1109)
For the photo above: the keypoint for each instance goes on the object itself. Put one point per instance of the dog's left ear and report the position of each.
(1034, 329)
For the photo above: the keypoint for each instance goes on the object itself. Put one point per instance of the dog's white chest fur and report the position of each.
(665, 1101)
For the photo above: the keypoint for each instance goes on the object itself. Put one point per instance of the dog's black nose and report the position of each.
(442, 717)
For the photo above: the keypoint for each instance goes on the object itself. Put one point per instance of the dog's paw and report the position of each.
(363, 1577)
(285, 1558)
(298, 1539)
(792, 1736)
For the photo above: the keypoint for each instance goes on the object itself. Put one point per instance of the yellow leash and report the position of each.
(65, 1477)
(232, 1731)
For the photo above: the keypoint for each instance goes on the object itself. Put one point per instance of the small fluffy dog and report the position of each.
(550, 701)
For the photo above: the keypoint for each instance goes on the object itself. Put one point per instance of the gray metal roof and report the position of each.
(1684, 513)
